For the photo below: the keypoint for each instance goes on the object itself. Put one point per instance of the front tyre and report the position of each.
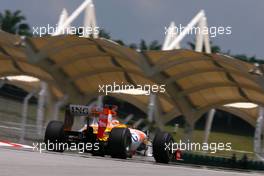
(162, 150)
(119, 143)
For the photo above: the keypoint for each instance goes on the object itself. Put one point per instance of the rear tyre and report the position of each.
(161, 152)
(55, 136)
(100, 151)
(90, 139)
(119, 143)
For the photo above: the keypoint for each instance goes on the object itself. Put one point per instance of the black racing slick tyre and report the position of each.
(55, 136)
(162, 150)
(119, 143)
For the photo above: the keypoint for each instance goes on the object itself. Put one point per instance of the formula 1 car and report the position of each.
(106, 134)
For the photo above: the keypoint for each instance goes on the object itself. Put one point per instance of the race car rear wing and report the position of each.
(78, 110)
(73, 110)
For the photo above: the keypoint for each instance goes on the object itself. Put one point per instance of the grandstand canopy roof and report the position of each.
(195, 82)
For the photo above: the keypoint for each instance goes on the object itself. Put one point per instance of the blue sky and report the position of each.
(132, 20)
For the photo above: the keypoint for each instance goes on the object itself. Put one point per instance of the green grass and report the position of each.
(240, 144)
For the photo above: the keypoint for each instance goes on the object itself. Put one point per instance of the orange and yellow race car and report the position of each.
(103, 135)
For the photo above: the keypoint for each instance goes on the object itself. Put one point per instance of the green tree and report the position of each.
(246, 58)
(104, 34)
(120, 42)
(154, 45)
(214, 48)
(13, 22)
(143, 45)
(217, 49)
(133, 46)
